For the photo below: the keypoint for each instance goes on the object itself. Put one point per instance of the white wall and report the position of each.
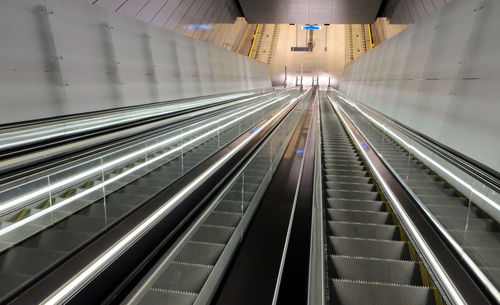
(441, 76)
(61, 57)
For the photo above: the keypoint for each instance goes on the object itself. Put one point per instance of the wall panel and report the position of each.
(440, 76)
(60, 57)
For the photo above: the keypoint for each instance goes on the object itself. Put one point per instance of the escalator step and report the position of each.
(436, 191)
(359, 216)
(165, 173)
(363, 187)
(213, 234)
(493, 274)
(347, 179)
(238, 195)
(411, 171)
(144, 190)
(469, 223)
(26, 260)
(367, 231)
(340, 166)
(358, 173)
(420, 178)
(81, 223)
(361, 293)
(353, 163)
(125, 197)
(437, 200)
(334, 158)
(232, 206)
(58, 240)
(374, 270)
(183, 277)
(359, 205)
(417, 183)
(10, 281)
(23, 232)
(339, 194)
(161, 296)
(251, 180)
(249, 187)
(368, 248)
(223, 219)
(200, 253)
(477, 239)
(255, 173)
(108, 210)
(454, 211)
(145, 181)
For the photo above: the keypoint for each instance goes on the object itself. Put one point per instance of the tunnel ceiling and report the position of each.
(172, 14)
(311, 11)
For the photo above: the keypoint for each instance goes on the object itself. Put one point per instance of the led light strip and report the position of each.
(117, 177)
(65, 292)
(103, 121)
(464, 255)
(437, 268)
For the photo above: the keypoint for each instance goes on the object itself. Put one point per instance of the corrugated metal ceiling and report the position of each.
(311, 11)
(174, 14)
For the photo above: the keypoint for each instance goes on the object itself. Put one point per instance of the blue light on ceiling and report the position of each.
(203, 27)
(311, 27)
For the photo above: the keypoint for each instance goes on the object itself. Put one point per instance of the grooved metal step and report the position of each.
(363, 230)
(374, 270)
(368, 263)
(372, 293)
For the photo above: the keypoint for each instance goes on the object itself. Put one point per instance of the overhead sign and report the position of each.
(311, 27)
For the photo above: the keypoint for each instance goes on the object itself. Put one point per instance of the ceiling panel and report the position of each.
(311, 11)
(173, 14)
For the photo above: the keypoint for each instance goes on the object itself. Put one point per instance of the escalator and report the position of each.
(367, 254)
(464, 224)
(39, 253)
(369, 258)
(192, 269)
(474, 229)
(42, 146)
(187, 275)
(30, 252)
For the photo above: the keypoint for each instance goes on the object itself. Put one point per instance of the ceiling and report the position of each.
(174, 14)
(311, 11)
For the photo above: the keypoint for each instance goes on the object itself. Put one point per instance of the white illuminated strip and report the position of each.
(464, 255)
(437, 268)
(66, 292)
(421, 154)
(43, 212)
(106, 121)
